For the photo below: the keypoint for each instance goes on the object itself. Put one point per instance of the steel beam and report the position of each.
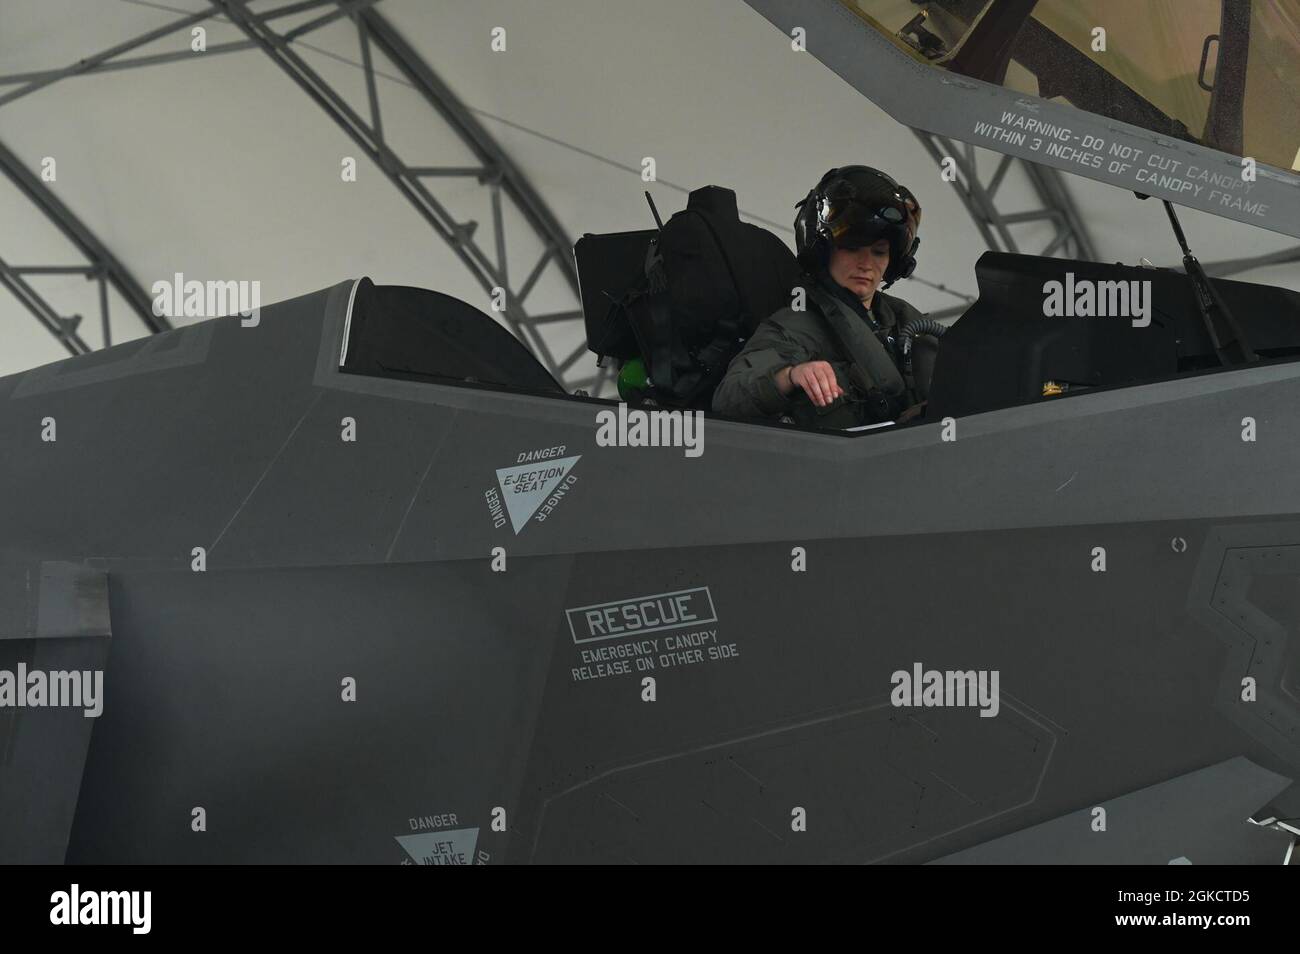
(94, 60)
(979, 196)
(500, 174)
(476, 137)
(1236, 265)
(131, 62)
(496, 171)
(63, 329)
(119, 63)
(104, 266)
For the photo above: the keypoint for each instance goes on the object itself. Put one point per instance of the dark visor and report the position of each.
(860, 210)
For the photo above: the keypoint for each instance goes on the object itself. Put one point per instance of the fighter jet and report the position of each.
(356, 580)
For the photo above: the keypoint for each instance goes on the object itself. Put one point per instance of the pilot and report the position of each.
(835, 359)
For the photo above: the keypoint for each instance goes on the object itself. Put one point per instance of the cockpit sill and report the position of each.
(1071, 396)
(1270, 367)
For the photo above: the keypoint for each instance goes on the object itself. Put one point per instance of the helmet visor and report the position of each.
(858, 209)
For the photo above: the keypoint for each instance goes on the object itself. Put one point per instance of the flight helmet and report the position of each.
(853, 206)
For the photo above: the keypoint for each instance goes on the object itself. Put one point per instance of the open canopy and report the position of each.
(1194, 101)
(1221, 73)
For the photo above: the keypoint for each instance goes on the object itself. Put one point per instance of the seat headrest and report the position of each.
(715, 201)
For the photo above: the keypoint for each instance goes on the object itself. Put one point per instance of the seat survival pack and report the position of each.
(707, 281)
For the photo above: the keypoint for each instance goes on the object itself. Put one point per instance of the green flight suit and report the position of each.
(827, 330)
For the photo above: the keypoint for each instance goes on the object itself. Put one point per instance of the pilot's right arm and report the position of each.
(749, 388)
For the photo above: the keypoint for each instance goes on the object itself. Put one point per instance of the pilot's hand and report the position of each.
(816, 379)
(911, 412)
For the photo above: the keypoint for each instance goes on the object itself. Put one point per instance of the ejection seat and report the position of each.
(754, 273)
(756, 263)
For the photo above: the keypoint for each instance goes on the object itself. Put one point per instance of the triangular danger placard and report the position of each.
(526, 486)
(441, 847)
